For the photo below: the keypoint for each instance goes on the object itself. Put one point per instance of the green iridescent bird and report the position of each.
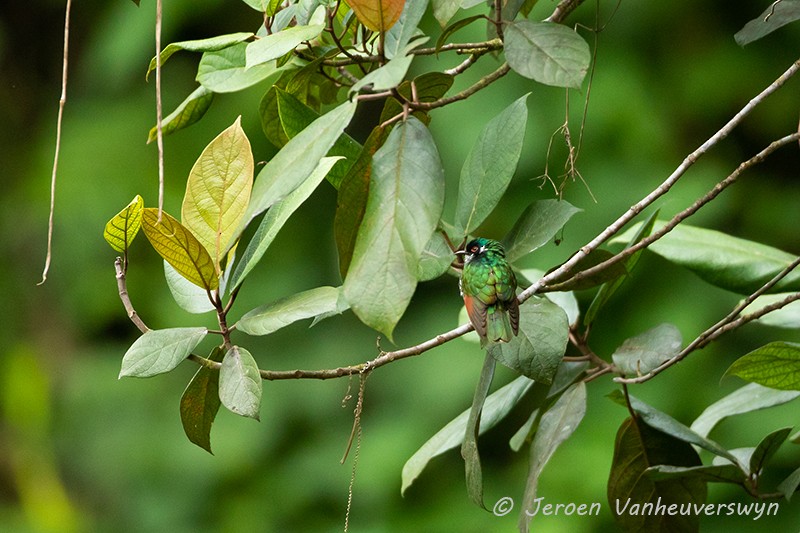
(488, 286)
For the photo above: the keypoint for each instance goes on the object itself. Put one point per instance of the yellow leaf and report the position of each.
(123, 227)
(180, 248)
(377, 15)
(218, 191)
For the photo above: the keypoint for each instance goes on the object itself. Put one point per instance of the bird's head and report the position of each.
(477, 247)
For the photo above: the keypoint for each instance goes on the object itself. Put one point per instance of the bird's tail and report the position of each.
(498, 325)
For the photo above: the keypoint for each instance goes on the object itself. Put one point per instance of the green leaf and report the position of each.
(536, 226)
(640, 354)
(775, 16)
(595, 257)
(262, 6)
(406, 197)
(180, 248)
(187, 113)
(775, 365)
(788, 486)
(386, 77)
(668, 425)
(225, 71)
(542, 340)
(436, 258)
(123, 227)
(728, 262)
(159, 351)
(490, 165)
(497, 406)
(187, 295)
(556, 425)
(295, 162)
(273, 316)
(469, 448)
(240, 383)
(443, 10)
(637, 448)
(274, 220)
(429, 87)
(546, 52)
(398, 37)
(218, 190)
(201, 45)
(787, 316)
(200, 404)
(766, 449)
(454, 27)
(727, 473)
(273, 46)
(751, 397)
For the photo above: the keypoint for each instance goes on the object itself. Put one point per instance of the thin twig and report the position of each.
(62, 101)
(125, 297)
(466, 93)
(159, 112)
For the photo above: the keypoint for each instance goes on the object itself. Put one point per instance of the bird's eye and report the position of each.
(474, 249)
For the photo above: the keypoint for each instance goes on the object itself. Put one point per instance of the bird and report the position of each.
(488, 286)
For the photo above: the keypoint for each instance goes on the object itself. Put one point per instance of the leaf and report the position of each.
(187, 113)
(595, 257)
(406, 197)
(398, 37)
(751, 397)
(775, 365)
(788, 486)
(429, 87)
(187, 295)
(377, 15)
(273, 46)
(549, 53)
(436, 258)
(274, 220)
(200, 404)
(240, 383)
(787, 316)
(159, 351)
(454, 27)
(495, 408)
(273, 316)
(536, 226)
(123, 227)
(490, 165)
(727, 473)
(640, 354)
(386, 77)
(469, 448)
(295, 162)
(728, 262)
(180, 248)
(766, 449)
(443, 10)
(225, 71)
(775, 16)
(637, 448)
(556, 425)
(218, 190)
(668, 425)
(211, 44)
(542, 340)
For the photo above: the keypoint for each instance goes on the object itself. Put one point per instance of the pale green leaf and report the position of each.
(225, 71)
(436, 258)
(406, 197)
(536, 226)
(490, 165)
(443, 10)
(386, 77)
(123, 227)
(546, 52)
(398, 37)
(187, 295)
(640, 354)
(211, 44)
(187, 113)
(787, 316)
(240, 383)
(775, 365)
(777, 15)
(275, 45)
(273, 316)
(469, 448)
(159, 351)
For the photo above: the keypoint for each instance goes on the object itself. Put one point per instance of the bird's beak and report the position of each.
(461, 252)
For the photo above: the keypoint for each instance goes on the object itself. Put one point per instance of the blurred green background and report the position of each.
(83, 451)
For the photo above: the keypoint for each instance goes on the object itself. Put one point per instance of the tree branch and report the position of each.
(126, 299)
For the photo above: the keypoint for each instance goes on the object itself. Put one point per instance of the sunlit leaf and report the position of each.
(218, 190)
(777, 15)
(536, 226)
(273, 316)
(469, 448)
(490, 165)
(406, 197)
(200, 403)
(187, 113)
(187, 295)
(640, 354)
(200, 45)
(377, 15)
(775, 365)
(240, 383)
(225, 71)
(180, 248)
(276, 45)
(123, 227)
(159, 351)
(546, 52)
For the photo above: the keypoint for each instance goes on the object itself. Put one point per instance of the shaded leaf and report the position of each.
(406, 197)
(273, 316)
(398, 37)
(536, 226)
(385, 77)
(775, 365)
(787, 316)
(275, 45)
(211, 44)
(436, 258)
(549, 53)
(377, 15)
(218, 190)
(443, 11)
(200, 404)
(495, 408)
(751, 397)
(775, 16)
(490, 165)
(542, 340)
(788, 486)
(640, 354)
(766, 449)
(469, 448)
(187, 113)
(123, 227)
(225, 71)
(240, 383)
(180, 248)
(159, 351)
(727, 473)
